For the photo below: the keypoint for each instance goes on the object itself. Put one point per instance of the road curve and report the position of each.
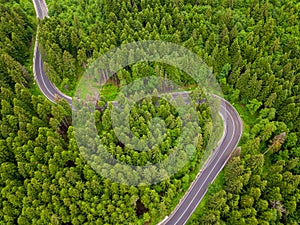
(46, 86)
(41, 8)
(217, 160)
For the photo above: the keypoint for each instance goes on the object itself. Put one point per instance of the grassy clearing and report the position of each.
(34, 89)
(109, 92)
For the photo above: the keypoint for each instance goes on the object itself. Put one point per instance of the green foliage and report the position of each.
(253, 47)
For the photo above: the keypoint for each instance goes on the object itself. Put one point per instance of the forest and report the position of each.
(253, 49)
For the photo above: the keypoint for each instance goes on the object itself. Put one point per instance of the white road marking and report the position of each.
(40, 66)
(212, 181)
(225, 149)
(45, 11)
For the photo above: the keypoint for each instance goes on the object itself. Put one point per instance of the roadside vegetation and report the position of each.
(253, 48)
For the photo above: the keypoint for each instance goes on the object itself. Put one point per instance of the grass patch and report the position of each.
(89, 90)
(109, 92)
(34, 89)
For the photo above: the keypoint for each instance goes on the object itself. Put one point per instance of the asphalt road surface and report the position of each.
(40, 8)
(217, 161)
(45, 85)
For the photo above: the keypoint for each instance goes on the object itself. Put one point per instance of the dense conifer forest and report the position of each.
(253, 48)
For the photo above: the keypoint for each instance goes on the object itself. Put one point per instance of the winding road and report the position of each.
(216, 162)
(46, 86)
